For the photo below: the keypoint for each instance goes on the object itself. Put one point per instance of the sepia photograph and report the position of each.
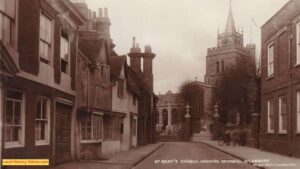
(149, 84)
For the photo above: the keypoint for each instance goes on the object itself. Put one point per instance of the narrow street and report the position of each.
(188, 151)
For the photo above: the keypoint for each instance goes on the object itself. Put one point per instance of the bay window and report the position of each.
(91, 128)
(112, 127)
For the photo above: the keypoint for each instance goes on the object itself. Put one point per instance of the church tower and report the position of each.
(230, 47)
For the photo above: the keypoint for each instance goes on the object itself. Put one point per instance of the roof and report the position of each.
(278, 12)
(132, 80)
(116, 65)
(7, 63)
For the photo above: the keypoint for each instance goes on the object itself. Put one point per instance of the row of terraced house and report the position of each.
(65, 92)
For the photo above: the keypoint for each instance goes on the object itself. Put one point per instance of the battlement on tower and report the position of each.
(222, 49)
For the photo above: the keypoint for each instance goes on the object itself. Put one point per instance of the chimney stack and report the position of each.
(148, 57)
(135, 57)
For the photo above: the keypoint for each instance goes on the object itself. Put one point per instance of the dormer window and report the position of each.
(64, 53)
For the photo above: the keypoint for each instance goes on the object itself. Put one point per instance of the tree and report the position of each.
(192, 94)
(238, 91)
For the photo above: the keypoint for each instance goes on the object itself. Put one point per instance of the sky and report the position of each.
(180, 31)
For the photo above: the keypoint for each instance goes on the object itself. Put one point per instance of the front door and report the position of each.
(63, 133)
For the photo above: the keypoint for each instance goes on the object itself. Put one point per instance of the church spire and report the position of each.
(230, 26)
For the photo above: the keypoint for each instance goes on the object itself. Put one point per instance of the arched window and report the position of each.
(217, 66)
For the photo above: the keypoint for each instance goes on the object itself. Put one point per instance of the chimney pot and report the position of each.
(105, 13)
(147, 49)
(94, 15)
(133, 42)
(100, 13)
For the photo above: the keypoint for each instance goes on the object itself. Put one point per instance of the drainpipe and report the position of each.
(290, 119)
(76, 139)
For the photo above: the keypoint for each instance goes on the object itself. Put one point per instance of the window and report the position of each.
(108, 127)
(120, 93)
(42, 128)
(45, 38)
(298, 43)
(91, 128)
(298, 112)
(283, 114)
(270, 60)
(117, 128)
(222, 66)
(7, 19)
(122, 129)
(64, 53)
(134, 127)
(134, 99)
(217, 66)
(112, 127)
(13, 115)
(271, 116)
(105, 73)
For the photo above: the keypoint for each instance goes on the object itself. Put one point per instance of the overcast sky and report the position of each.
(180, 31)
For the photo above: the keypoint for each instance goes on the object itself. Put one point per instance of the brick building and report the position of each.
(65, 93)
(147, 99)
(280, 118)
(113, 99)
(38, 87)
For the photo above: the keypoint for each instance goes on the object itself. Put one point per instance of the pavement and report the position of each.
(256, 157)
(122, 160)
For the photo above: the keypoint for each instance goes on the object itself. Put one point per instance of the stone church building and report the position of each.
(230, 47)
(171, 107)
